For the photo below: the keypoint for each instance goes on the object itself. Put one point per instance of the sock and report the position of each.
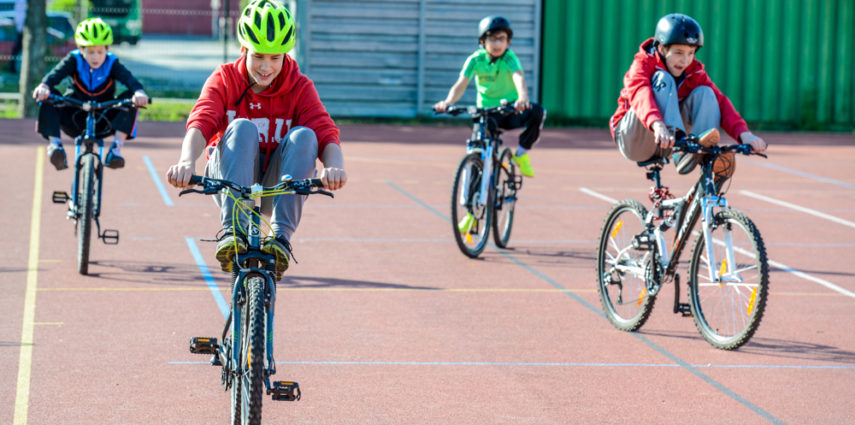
(55, 141)
(117, 145)
(521, 151)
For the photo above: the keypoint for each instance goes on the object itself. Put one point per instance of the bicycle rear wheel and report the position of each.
(252, 355)
(506, 198)
(728, 295)
(623, 270)
(470, 220)
(85, 210)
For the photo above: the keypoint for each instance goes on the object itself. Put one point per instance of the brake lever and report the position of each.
(186, 191)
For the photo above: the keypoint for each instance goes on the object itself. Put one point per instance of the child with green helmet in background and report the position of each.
(258, 119)
(499, 77)
(93, 71)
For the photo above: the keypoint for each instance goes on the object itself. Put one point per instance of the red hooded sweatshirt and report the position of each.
(290, 101)
(637, 93)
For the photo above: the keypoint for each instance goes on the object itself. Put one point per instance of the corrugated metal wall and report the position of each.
(781, 62)
(396, 58)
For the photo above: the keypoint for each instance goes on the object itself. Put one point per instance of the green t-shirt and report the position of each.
(493, 79)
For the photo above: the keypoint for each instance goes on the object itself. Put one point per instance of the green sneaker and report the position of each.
(227, 245)
(524, 162)
(466, 223)
(279, 248)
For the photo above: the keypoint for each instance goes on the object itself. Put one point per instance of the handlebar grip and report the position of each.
(194, 179)
(316, 182)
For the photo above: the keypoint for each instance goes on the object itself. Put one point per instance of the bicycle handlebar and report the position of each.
(91, 105)
(212, 186)
(688, 146)
(475, 111)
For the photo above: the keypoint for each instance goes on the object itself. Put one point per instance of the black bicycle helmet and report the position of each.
(677, 28)
(494, 23)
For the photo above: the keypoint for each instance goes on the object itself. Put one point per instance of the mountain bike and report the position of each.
(84, 204)
(246, 351)
(728, 270)
(478, 202)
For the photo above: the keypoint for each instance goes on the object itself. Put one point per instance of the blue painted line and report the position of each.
(805, 174)
(163, 193)
(206, 274)
(541, 364)
(727, 391)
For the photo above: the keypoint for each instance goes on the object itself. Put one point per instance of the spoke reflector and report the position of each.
(617, 228)
(751, 301)
(723, 268)
(468, 238)
(641, 296)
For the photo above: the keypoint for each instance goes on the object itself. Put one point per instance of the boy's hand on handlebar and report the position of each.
(41, 92)
(140, 98)
(757, 144)
(333, 178)
(179, 174)
(663, 136)
(522, 103)
(441, 106)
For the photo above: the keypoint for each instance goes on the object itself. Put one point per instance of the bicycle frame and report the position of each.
(487, 144)
(84, 145)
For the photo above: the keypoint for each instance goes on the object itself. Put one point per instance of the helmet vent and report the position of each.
(287, 37)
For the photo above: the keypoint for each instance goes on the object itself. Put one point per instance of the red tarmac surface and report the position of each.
(384, 321)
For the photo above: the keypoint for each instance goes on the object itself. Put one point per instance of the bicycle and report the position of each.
(84, 204)
(728, 269)
(246, 352)
(479, 203)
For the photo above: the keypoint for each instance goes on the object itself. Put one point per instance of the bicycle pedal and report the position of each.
(60, 197)
(200, 345)
(685, 310)
(110, 237)
(285, 390)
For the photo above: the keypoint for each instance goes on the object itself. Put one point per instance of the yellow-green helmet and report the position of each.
(265, 26)
(93, 32)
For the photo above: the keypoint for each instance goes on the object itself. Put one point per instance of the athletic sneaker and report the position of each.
(227, 245)
(524, 162)
(466, 223)
(114, 158)
(56, 155)
(686, 162)
(279, 248)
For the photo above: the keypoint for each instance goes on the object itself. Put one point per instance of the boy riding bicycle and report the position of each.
(667, 94)
(499, 77)
(94, 72)
(258, 119)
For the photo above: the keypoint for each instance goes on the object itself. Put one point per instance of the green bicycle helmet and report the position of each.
(265, 26)
(93, 32)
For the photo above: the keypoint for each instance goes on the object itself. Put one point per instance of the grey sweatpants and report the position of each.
(698, 112)
(236, 158)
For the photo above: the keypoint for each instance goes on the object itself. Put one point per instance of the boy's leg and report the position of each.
(48, 125)
(295, 156)
(701, 113)
(124, 124)
(635, 141)
(532, 119)
(235, 158)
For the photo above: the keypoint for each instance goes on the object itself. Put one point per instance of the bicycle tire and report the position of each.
(253, 353)
(728, 309)
(623, 268)
(505, 200)
(470, 166)
(85, 205)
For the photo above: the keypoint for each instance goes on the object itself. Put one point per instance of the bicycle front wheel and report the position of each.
(85, 210)
(728, 292)
(252, 353)
(470, 217)
(506, 198)
(622, 270)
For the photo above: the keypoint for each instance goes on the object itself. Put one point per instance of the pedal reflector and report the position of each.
(203, 345)
(285, 390)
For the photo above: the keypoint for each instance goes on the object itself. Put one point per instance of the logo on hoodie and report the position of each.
(254, 105)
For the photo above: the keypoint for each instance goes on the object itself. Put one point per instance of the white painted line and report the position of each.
(773, 263)
(798, 208)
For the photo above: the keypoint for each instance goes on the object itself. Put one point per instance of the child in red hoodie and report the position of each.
(258, 119)
(667, 94)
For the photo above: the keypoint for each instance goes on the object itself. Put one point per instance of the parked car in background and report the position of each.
(60, 36)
